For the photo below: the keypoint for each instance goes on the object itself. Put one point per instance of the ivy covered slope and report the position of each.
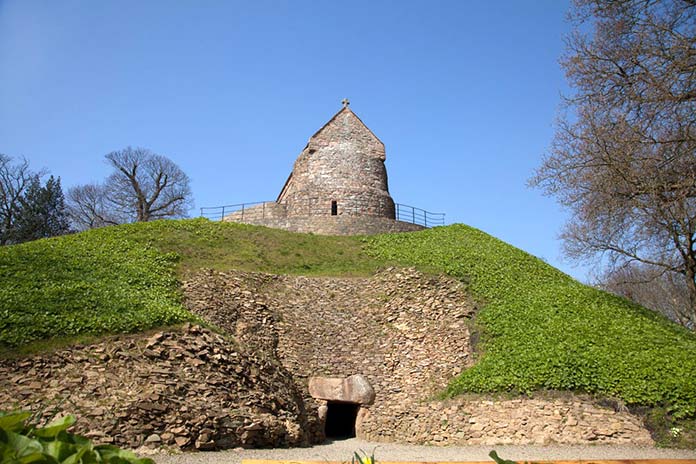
(90, 283)
(540, 328)
(543, 330)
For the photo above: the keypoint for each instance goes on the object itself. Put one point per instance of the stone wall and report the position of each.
(185, 388)
(408, 334)
(343, 162)
(269, 210)
(328, 225)
(541, 420)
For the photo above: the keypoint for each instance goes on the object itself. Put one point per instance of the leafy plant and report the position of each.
(500, 460)
(90, 283)
(22, 442)
(363, 458)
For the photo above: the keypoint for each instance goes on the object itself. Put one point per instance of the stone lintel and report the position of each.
(353, 389)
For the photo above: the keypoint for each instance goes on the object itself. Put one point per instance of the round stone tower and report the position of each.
(340, 172)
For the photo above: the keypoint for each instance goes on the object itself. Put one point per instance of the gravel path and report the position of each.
(341, 451)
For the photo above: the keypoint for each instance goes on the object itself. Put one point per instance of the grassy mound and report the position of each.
(91, 283)
(543, 330)
(540, 328)
(222, 245)
(124, 278)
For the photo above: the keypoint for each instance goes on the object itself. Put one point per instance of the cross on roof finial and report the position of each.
(345, 102)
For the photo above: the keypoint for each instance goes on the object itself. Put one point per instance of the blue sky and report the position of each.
(464, 94)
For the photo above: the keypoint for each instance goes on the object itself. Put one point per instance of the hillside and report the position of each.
(540, 329)
(124, 279)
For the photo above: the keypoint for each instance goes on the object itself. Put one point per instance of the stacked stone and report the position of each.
(189, 389)
(327, 225)
(407, 333)
(404, 333)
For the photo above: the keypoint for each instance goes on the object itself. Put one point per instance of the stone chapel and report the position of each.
(338, 185)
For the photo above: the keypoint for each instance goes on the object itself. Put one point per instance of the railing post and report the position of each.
(242, 211)
(425, 218)
(222, 217)
(413, 214)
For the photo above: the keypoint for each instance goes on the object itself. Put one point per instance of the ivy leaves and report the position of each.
(543, 330)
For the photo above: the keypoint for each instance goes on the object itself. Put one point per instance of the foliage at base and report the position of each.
(668, 431)
(22, 442)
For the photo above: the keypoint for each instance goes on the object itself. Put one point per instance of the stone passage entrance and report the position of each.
(340, 420)
(340, 401)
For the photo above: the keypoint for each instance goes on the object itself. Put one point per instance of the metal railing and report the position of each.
(218, 213)
(269, 209)
(406, 213)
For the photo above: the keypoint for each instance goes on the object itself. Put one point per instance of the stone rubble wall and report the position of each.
(408, 334)
(348, 203)
(332, 225)
(269, 210)
(187, 388)
(551, 418)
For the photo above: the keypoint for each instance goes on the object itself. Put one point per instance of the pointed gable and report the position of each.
(343, 138)
(345, 124)
(340, 172)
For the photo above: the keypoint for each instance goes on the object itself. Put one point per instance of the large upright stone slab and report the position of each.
(353, 389)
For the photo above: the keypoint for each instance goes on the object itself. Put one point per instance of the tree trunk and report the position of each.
(691, 285)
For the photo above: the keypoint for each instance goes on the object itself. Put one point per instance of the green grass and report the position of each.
(219, 245)
(543, 330)
(125, 279)
(92, 283)
(540, 328)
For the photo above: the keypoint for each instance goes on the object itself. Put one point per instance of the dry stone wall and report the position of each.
(330, 225)
(408, 334)
(186, 388)
(546, 419)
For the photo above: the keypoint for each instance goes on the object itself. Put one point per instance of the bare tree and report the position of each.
(652, 287)
(14, 180)
(624, 156)
(88, 207)
(147, 186)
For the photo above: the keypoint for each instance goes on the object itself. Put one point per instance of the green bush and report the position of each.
(23, 443)
(543, 330)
